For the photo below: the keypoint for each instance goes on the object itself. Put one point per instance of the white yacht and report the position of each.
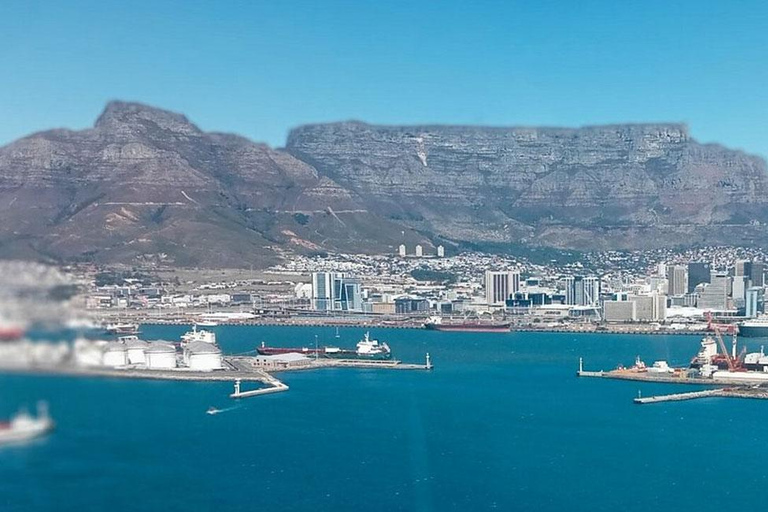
(24, 426)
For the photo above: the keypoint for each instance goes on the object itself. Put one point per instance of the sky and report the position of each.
(259, 68)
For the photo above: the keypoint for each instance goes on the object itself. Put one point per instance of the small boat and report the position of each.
(119, 328)
(208, 323)
(23, 426)
(212, 411)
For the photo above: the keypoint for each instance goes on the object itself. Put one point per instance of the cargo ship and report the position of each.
(366, 348)
(436, 323)
(757, 328)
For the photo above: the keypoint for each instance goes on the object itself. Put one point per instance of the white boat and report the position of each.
(120, 328)
(372, 348)
(208, 323)
(23, 426)
(198, 335)
(660, 367)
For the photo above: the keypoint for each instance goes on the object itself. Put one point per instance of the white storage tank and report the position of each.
(135, 351)
(160, 356)
(89, 353)
(114, 354)
(202, 356)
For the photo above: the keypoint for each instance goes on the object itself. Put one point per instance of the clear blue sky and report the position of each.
(259, 68)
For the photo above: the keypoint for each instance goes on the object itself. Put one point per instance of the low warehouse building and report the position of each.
(275, 362)
(160, 356)
(202, 356)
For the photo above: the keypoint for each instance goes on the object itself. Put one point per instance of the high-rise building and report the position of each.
(714, 296)
(582, 291)
(698, 272)
(757, 275)
(659, 306)
(401, 250)
(743, 268)
(677, 280)
(331, 291)
(591, 291)
(754, 302)
(739, 290)
(499, 286)
(440, 251)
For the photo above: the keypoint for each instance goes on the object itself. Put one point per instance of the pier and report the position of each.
(744, 389)
(274, 386)
(678, 397)
(237, 369)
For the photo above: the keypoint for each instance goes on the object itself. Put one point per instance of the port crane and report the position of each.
(712, 325)
(733, 361)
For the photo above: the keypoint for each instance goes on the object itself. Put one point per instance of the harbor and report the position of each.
(196, 357)
(741, 372)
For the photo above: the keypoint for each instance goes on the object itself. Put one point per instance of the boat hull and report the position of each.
(469, 328)
(753, 331)
(321, 352)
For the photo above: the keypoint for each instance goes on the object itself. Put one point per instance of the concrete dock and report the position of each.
(235, 369)
(274, 386)
(677, 397)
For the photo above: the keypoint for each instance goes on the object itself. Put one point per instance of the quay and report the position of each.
(237, 369)
(734, 392)
(744, 389)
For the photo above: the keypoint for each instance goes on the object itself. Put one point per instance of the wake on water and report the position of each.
(214, 410)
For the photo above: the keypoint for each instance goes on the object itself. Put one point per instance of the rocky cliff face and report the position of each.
(606, 187)
(147, 185)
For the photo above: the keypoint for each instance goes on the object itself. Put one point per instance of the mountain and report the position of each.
(604, 187)
(146, 185)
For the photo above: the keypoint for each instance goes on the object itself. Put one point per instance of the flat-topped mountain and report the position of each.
(603, 187)
(147, 185)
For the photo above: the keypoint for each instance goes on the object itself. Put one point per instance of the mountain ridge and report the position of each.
(145, 185)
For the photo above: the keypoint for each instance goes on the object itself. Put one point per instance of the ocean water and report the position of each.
(502, 422)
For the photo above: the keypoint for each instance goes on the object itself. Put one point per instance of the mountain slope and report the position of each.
(605, 187)
(147, 185)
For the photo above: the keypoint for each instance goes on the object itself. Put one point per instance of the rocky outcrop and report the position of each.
(605, 187)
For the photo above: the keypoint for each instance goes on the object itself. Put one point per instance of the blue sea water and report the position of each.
(502, 422)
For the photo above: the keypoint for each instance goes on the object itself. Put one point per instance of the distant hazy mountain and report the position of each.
(147, 185)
